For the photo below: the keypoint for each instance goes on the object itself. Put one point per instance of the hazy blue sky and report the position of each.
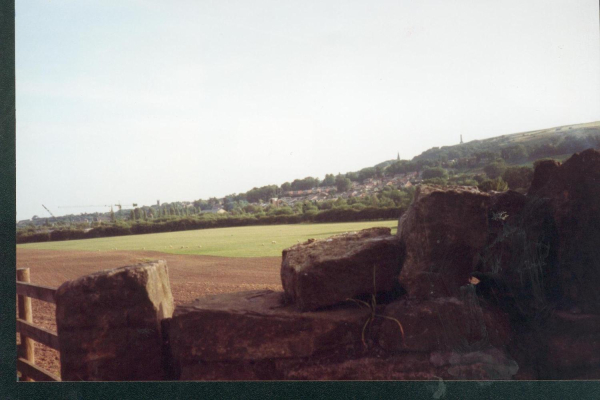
(136, 101)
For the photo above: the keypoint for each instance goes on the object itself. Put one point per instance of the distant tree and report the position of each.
(479, 178)
(202, 204)
(353, 176)
(243, 197)
(386, 202)
(342, 184)
(518, 177)
(286, 187)
(453, 154)
(252, 208)
(436, 172)
(228, 204)
(285, 210)
(514, 153)
(547, 149)
(374, 201)
(339, 203)
(308, 206)
(366, 173)
(485, 155)
(435, 181)
(262, 194)
(213, 202)
(329, 180)
(494, 169)
(400, 167)
(464, 180)
(572, 144)
(325, 205)
(497, 185)
(305, 184)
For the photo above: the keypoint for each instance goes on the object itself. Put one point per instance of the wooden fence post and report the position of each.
(26, 349)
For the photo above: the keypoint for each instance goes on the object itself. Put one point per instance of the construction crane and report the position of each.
(127, 205)
(49, 212)
(104, 205)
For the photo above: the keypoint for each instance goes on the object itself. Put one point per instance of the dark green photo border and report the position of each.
(11, 389)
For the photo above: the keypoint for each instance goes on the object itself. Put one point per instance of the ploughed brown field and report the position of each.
(191, 276)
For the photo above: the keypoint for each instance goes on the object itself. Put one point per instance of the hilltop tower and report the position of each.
(398, 156)
(461, 142)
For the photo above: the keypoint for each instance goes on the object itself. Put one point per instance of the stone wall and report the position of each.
(474, 286)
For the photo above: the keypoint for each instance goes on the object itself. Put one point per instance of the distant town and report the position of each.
(289, 198)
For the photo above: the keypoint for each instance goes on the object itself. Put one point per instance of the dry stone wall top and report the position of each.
(257, 327)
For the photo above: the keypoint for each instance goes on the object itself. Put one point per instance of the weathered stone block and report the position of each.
(255, 328)
(443, 232)
(441, 324)
(572, 190)
(325, 272)
(109, 323)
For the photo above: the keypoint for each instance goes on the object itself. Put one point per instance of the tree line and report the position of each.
(123, 228)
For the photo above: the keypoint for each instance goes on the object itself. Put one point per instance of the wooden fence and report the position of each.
(30, 332)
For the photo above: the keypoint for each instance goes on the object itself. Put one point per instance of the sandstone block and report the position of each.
(443, 232)
(572, 190)
(109, 323)
(441, 324)
(321, 273)
(230, 331)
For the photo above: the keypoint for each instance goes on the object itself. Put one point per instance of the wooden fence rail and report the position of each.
(43, 293)
(30, 332)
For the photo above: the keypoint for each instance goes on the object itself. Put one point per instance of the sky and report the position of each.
(135, 101)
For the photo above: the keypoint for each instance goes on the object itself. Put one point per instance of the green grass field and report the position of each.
(250, 241)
